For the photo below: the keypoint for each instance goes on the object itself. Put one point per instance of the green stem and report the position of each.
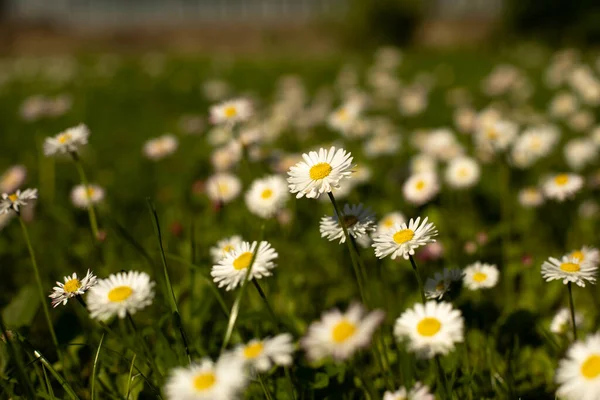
(15, 355)
(95, 367)
(40, 287)
(264, 388)
(572, 306)
(419, 280)
(90, 207)
(353, 256)
(129, 377)
(443, 382)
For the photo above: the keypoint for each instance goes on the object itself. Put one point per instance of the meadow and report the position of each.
(497, 149)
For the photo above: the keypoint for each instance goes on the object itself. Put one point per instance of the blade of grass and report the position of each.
(48, 384)
(95, 367)
(129, 377)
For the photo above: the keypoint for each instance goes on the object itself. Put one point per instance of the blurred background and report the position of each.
(264, 25)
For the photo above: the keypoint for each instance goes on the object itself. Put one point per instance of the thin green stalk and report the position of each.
(192, 271)
(443, 382)
(40, 287)
(95, 367)
(173, 300)
(48, 383)
(129, 377)
(264, 388)
(572, 306)
(291, 382)
(235, 309)
(13, 352)
(90, 207)
(355, 263)
(419, 280)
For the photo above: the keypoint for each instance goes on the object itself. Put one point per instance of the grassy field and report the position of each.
(508, 351)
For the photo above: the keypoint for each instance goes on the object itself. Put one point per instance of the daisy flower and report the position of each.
(530, 197)
(15, 200)
(223, 187)
(12, 179)
(462, 172)
(224, 246)
(533, 144)
(418, 392)
(230, 271)
(267, 196)
(345, 117)
(580, 152)
(389, 221)
(561, 322)
(359, 221)
(119, 294)
(420, 188)
(422, 163)
(497, 135)
(340, 335)
(404, 239)
(561, 186)
(68, 141)
(73, 286)
(569, 269)
(82, 197)
(439, 285)
(262, 354)
(231, 111)
(319, 172)
(431, 328)
(480, 276)
(207, 380)
(160, 147)
(587, 254)
(578, 374)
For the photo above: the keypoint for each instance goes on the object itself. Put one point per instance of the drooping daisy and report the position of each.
(587, 254)
(223, 187)
(224, 246)
(320, 172)
(462, 172)
(340, 335)
(267, 196)
(231, 270)
(12, 179)
(359, 221)
(82, 197)
(231, 111)
(73, 286)
(578, 374)
(403, 239)
(530, 197)
(420, 188)
(207, 380)
(262, 354)
(389, 221)
(561, 322)
(68, 141)
(418, 392)
(438, 286)
(119, 294)
(480, 276)
(562, 186)
(431, 328)
(569, 269)
(15, 200)
(160, 147)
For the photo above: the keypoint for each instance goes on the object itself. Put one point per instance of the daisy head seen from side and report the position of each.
(160, 147)
(69, 141)
(319, 172)
(262, 354)
(120, 294)
(17, 199)
(403, 239)
(358, 220)
(71, 287)
(569, 269)
(340, 335)
(440, 284)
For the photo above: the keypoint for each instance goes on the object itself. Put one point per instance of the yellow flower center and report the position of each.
(569, 267)
(320, 171)
(63, 138)
(492, 133)
(342, 331)
(342, 114)
(403, 236)
(90, 192)
(479, 277)
(440, 286)
(349, 220)
(72, 286)
(119, 294)
(590, 368)
(388, 222)
(463, 173)
(13, 197)
(243, 261)
(222, 188)
(266, 194)
(420, 185)
(429, 326)
(561, 179)
(227, 248)
(204, 381)
(230, 111)
(254, 350)
(536, 143)
(578, 255)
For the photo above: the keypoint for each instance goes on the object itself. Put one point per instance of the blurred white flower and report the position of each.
(82, 197)
(223, 187)
(69, 141)
(160, 147)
